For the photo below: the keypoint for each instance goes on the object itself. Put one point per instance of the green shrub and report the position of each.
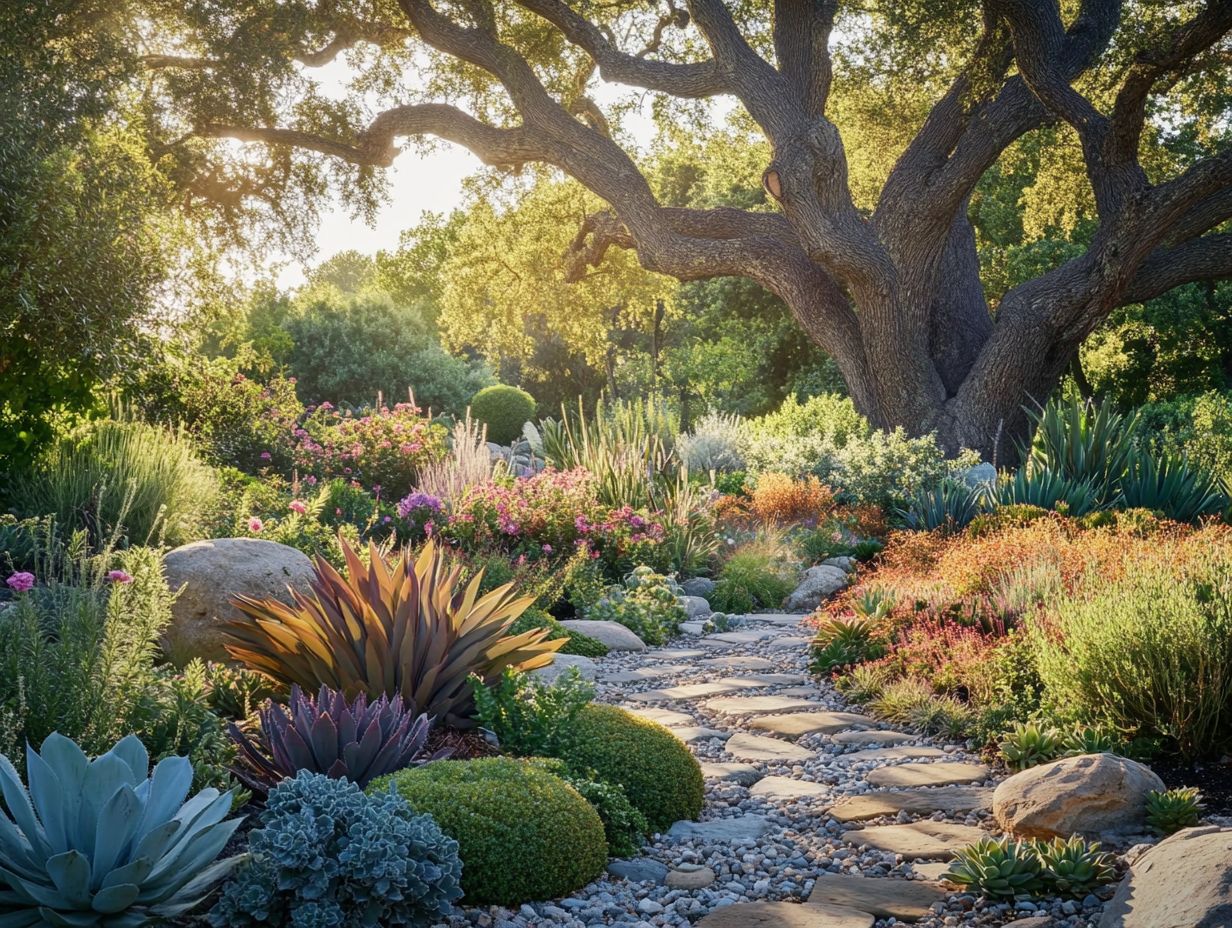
(648, 605)
(658, 773)
(523, 833)
(122, 476)
(1149, 654)
(757, 575)
(888, 468)
(528, 715)
(623, 825)
(325, 853)
(504, 410)
(580, 644)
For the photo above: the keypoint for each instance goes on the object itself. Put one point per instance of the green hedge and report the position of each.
(660, 776)
(523, 833)
(504, 410)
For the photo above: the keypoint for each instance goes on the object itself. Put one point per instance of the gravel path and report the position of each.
(807, 801)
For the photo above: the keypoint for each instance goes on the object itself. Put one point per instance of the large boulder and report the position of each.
(1183, 882)
(698, 586)
(612, 634)
(818, 584)
(211, 573)
(1093, 794)
(695, 607)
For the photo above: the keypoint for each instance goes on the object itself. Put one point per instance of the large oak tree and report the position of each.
(892, 292)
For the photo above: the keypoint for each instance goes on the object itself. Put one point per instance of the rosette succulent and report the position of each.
(105, 842)
(1000, 869)
(1074, 867)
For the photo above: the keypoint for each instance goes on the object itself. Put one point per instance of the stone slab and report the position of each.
(784, 680)
(673, 654)
(739, 662)
(691, 733)
(881, 738)
(769, 750)
(795, 724)
(924, 840)
(789, 642)
(898, 752)
(754, 705)
(685, 692)
(690, 877)
(744, 774)
(939, 774)
(668, 717)
(723, 830)
(653, 672)
(751, 682)
(744, 636)
(781, 619)
(785, 915)
(804, 691)
(952, 800)
(788, 789)
(883, 897)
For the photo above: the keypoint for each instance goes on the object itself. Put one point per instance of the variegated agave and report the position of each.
(412, 629)
(358, 741)
(104, 842)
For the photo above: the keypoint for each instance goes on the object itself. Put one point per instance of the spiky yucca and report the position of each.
(411, 629)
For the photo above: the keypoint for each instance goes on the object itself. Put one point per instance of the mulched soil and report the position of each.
(462, 745)
(1213, 778)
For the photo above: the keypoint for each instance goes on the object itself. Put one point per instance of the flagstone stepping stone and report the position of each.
(673, 654)
(760, 748)
(788, 789)
(781, 619)
(802, 691)
(939, 774)
(653, 672)
(743, 774)
(795, 724)
(785, 915)
(667, 717)
(688, 691)
(723, 830)
(616, 636)
(690, 877)
(694, 628)
(952, 800)
(751, 682)
(900, 752)
(790, 641)
(931, 871)
(873, 737)
(880, 896)
(691, 733)
(739, 662)
(926, 839)
(744, 636)
(638, 870)
(753, 705)
(784, 679)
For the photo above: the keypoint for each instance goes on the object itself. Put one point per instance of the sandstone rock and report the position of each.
(564, 662)
(760, 748)
(943, 773)
(744, 774)
(691, 733)
(883, 738)
(787, 789)
(897, 752)
(795, 724)
(667, 717)
(612, 634)
(1182, 882)
(211, 573)
(785, 915)
(1092, 794)
(696, 607)
(685, 692)
(819, 584)
(952, 800)
(918, 840)
(908, 900)
(755, 705)
(739, 662)
(690, 876)
(698, 586)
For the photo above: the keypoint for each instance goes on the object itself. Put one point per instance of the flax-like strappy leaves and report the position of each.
(411, 629)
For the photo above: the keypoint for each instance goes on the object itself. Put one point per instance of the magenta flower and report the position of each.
(119, 576)
(297, 505)
(266, 456)
(255, 525)
(21, 582)
(547, 549)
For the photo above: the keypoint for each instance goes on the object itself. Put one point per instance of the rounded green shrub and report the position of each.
(523, 834)
(504, 410)
(660, 776)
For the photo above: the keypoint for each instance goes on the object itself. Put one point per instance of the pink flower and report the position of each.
(255, 525)
(266, 456)
(297, 505)
(311, 481)
(119, 576)
(21, 582)
(547, 549)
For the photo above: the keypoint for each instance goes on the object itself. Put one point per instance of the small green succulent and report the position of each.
(1028, 745)
(1171, 810)
(999, 869)
(1074, 867)
(1090, 741)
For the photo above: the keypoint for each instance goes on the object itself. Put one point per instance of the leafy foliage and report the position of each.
(648, 604)
(325, 853)
(410, 629)
(106, 842)
(759, 574)
(950, 505)
(842, 640)
(529, 716)
(522, 833)
(504, 410)
(623, 825)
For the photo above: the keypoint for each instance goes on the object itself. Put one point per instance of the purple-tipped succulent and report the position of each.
(357, 740)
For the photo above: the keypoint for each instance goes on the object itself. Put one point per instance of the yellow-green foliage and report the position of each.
(523, 833)
(660, 776)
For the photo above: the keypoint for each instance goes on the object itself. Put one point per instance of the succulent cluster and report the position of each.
(648, 604)
(354, 739)
(1007, 869)
(105, 842)
(328, 854)
(1169, 811)
(1030, 744)
(848, 639)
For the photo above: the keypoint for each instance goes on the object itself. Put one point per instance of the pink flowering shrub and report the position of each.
(383, 450)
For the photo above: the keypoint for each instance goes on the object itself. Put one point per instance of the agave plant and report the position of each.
(1000, 869)
(1086, 443)
(1073, 867)
(1029, 745)
(1086, 740)
(357, 740)
(1173, 486)
(950, 505)
(1047, 488)
(847, 639)
(1169, 811)
(411, 629)
(104, 842)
